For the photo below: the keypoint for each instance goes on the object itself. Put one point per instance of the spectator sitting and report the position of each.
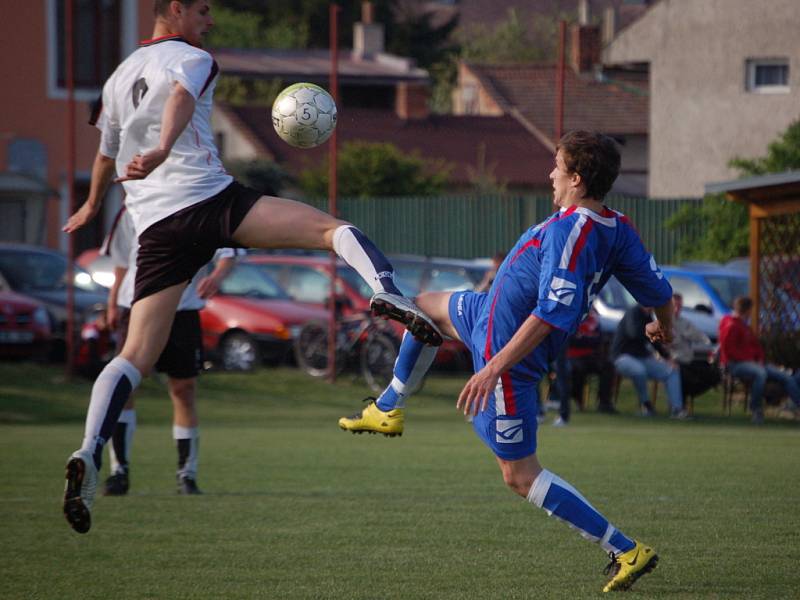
(634, 358)
(691, 349)
(741, 353)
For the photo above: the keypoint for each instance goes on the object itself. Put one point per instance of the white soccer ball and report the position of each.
(304, 115)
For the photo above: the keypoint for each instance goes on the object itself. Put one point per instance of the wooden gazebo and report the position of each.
(773, 202)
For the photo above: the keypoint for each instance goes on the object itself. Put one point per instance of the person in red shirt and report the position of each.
(741, 353)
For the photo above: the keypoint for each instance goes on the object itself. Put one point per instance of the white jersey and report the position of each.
(130, 121)
(122, 246)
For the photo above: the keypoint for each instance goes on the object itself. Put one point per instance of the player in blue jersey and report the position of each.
(541, 293)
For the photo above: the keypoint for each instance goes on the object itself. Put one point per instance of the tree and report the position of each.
(727, 231)
(262, 175)
(512, 40)
(368, 170)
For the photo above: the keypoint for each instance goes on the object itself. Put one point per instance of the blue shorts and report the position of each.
(508, 425)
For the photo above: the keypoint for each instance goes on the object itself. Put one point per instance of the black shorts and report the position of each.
(182, 357)
(173, 249)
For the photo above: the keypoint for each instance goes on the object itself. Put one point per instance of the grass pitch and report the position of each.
(295, 508)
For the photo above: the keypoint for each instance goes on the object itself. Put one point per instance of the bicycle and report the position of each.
(361, 340)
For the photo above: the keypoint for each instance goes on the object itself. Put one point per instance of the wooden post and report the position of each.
(755, 260)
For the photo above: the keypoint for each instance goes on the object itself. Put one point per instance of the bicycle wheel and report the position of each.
(311, 350)
(377, 356)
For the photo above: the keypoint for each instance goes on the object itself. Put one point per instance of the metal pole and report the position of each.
(559, 112)
(70, 130)
(332, 185)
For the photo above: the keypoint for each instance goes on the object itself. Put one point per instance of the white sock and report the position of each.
(358, 251)
(109, 394)
(119, 450)
(187, 441)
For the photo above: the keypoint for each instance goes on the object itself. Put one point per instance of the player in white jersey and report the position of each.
(181, 360)
(156, 135)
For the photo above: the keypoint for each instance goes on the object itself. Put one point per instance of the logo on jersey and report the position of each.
(509, 431)
(460, 305)
(654, 268)
(562, 291)
(138, 92)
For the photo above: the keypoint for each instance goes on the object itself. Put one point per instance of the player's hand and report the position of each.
(112, 316)
(656, 332)
(83, 215)
(476, 393)
(207, 287)
(142, 165)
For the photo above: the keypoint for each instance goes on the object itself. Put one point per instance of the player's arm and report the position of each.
(474, 396)
(103, 171)
(178, 111)
(208, 286)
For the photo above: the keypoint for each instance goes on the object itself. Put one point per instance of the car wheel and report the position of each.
(238, 352)
(378, 355)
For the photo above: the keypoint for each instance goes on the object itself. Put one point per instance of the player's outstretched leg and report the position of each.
(385, 415)
(629, 559)
(109, 394)
(358, 251)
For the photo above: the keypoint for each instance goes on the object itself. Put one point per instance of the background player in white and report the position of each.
(156, 134)
(540, 294)
(181, 360)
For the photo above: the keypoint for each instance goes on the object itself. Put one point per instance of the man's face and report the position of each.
(564, 183)
(194, 21)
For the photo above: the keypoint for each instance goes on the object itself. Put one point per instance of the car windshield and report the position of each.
(354, 280)
(614, 295)
(252, 282)
(728, 287)
(41, 271)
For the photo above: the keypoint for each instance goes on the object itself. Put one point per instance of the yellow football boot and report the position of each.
(373, 420)
(626, 568)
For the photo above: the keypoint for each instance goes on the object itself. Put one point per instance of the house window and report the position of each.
(103, 31)
(767, 76)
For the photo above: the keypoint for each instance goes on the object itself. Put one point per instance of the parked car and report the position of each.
(417, 274)
(252, 320)
(306, 279)
(24, 327)
(98, 266)
(708, 291)
(41, 274)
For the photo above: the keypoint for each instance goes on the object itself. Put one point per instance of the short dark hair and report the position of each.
(742, 304)
(160, 7)
(593, 156)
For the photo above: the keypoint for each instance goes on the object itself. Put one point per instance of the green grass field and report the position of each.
(295, 508)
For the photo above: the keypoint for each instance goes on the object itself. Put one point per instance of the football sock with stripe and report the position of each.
(413, 361)
(358, 251)
(187, 442)
(561, 500)
(110, 392)
(119, 450)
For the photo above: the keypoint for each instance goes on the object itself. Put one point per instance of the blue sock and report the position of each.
(560, 499)
(413, 361)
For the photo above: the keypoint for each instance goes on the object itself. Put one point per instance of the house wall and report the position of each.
(470, 97)
(30, 107)
(701, 114)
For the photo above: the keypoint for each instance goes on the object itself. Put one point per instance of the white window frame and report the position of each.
(129, 39)
(751, 66)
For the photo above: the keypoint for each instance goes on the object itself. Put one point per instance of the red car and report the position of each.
(24, 327)
(306, 279)
(252, 320)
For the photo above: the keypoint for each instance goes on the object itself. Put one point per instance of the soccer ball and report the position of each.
(304, 115)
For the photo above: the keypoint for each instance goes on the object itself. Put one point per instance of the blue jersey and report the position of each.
(555, 271)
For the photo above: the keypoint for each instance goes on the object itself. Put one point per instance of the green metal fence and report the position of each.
(480, 226)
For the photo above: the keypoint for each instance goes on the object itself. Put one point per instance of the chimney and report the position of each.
(609, 25)
(585, 47)
(411, 100)
(583, 12)
(367, 36)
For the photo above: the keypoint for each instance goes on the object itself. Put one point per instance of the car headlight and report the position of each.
(40, 317)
